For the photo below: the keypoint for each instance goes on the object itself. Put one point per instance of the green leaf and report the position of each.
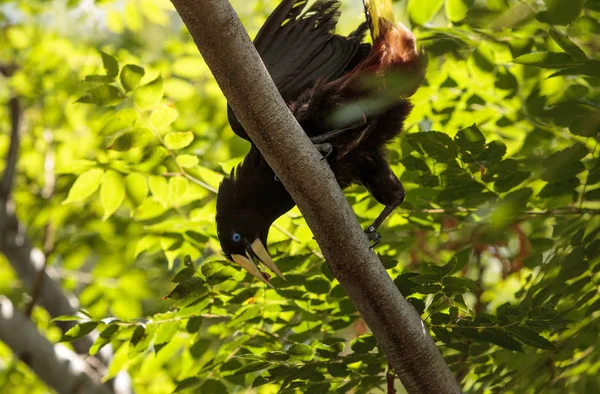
(317, 285)
(453, 284)
(547, 60)
(427, 289)
(561, 12)
(189, 383)
(301, 351)
(251, 367)
(501, 338)
(187, 161)
(413, 163)
(470, 139)
(85, 185)
(439, 318)
(591, 68)
(104, 338)
(103, 79)
(418, 304)
(458, 189)
(79, 331)
(587, 125)
(260, 381)
(131, 75)
(592, 195)
(122, 142)
(435, 144)
(141, 339)
(329, 351)
(456, 10)
(159, 189)
(111, 66)
(559, 188)
(509, 180)
(565, 163)
(568, 45)
(447, 268)
(179, 139)
(163, 116)
(165, 332)
(149, 95)
(136, 187)
(421, 12)
(102, 96)
(574, 264)
(404, 283)
(177, 188)
(363, 344)
(121, 121)
(149, 209)
(530, 337)
(213, 386)
(112, 192)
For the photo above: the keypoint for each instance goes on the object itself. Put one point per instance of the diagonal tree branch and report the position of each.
(237, 67)
(56, 365)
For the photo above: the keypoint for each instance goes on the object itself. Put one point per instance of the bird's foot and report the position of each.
(373, 236)
(325, 149)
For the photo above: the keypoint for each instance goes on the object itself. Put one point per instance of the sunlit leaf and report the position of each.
(456, 10)
(163, 116)
(85, 185)
(131, 75)
(421, 12)
(112, 192)
(136, 186)
(179, 139)
(121, 121)
(159, 187)
(149, 95)
(187, 161)
(79, 331)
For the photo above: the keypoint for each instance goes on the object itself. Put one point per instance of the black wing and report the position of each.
(299, 49)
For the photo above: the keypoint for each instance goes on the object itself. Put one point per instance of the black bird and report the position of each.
(330, 83)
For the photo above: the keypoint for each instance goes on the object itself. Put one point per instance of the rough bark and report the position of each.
(233, 60)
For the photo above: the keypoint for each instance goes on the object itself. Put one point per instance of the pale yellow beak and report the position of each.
(246, 263)
(258, 250)
(261, 253)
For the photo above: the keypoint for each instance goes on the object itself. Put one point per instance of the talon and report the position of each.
(373, 236)
(325, 149)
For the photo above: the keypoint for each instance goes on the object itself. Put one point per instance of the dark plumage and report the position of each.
(320, 74)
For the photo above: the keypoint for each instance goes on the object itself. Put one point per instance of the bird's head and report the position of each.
(243, 227)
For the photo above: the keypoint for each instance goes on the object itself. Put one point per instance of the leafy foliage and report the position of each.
(496, 245)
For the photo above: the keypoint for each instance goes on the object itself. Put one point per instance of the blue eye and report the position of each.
(236, 237)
